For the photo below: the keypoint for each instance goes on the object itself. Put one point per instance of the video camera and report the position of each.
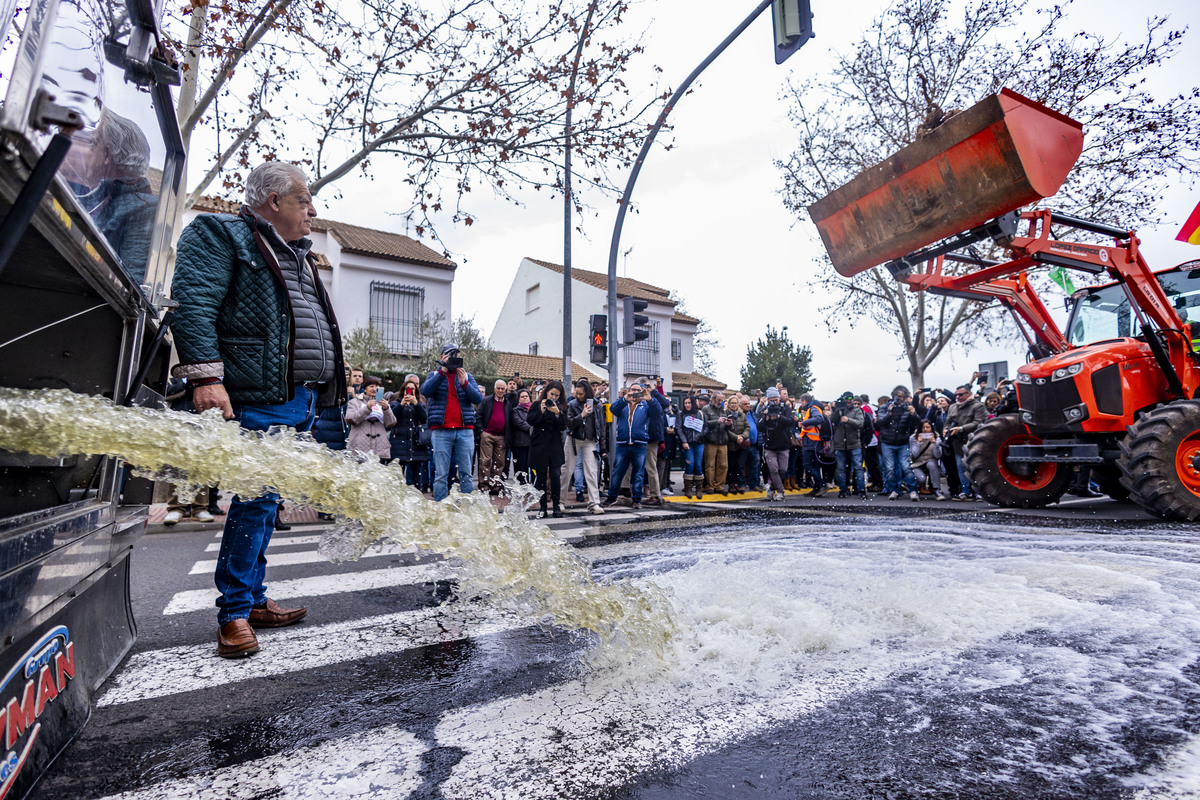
(454, 361)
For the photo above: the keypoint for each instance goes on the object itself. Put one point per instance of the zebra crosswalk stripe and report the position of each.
(317, 586)
(174, 670)
(380, 764)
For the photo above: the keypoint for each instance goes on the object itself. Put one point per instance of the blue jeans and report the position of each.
(629, 456)
(855, 458)
(752, 467)
(242, 561)
(457, 445)
(813, 467)
(897, 468)
(963, 480)
(693, 460)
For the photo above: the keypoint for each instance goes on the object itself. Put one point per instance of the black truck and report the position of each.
(91, 166)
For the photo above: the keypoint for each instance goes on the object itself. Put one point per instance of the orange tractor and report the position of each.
(1117, 391)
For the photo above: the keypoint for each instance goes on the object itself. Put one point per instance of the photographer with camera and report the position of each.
(632, 413)
(775, 424)
(848, 420)
(896, 425)
(453, 395)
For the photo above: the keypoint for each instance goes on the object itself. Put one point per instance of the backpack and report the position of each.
(867, 432)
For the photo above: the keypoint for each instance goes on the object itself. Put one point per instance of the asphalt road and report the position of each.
(384, 692)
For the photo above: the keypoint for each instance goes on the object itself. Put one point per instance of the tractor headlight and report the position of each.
(1066, 372)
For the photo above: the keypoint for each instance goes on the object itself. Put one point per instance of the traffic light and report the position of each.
(632, 322)
(599, 338)
(792, 21)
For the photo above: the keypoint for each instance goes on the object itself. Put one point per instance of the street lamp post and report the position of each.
(615, 246)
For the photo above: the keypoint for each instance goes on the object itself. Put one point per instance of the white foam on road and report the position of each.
(785, 626)
(174, 670)
(320, 586)
(380, 764)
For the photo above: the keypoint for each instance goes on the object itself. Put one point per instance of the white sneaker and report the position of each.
(595, 508)
(893, 495)
(667, 492)
(172, 517)
(941, 496)
(913, 496)
(202, 516)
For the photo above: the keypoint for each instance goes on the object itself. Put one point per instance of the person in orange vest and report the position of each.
(812, 423)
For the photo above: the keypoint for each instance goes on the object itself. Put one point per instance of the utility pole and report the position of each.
(615, 246)
(568, 201)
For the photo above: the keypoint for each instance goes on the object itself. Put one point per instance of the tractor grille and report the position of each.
(1044, 401)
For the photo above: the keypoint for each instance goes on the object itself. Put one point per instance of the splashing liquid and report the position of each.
(505, 557)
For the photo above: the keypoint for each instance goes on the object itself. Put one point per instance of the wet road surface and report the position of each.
(830, 655)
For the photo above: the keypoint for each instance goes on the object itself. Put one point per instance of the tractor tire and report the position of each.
(1159, 461)
(998, 483)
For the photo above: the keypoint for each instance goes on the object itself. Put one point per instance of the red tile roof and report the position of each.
(353, 238)
(543, 368)
(685, 381)
(626, 287)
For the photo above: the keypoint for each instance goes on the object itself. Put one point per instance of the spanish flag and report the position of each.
(1191, 229)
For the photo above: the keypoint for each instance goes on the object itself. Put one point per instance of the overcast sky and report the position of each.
(709, 220)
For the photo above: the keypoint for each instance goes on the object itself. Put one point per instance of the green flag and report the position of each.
(1060, 276)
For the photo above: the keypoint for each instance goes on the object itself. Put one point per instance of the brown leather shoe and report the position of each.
(236, 639)
(272, 616)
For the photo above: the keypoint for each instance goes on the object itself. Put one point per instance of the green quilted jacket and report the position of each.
(234, 319)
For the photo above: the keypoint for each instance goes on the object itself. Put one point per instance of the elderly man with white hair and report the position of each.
(257, 339)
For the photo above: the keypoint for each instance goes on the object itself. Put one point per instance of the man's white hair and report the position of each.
(273, 176)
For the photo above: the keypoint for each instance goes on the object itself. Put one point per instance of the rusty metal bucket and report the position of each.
(1004, 152)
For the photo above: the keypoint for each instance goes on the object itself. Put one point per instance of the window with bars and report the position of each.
(396, 312)
(641, 358)
(677, 349)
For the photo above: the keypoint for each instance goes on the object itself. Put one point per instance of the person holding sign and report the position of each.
(690, 428)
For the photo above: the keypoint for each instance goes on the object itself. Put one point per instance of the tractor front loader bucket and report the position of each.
(1004, 152)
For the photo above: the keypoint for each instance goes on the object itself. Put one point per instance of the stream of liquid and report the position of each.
(505, 558)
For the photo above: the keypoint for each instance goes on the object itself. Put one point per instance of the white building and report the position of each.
(531, 322)
(373, 277)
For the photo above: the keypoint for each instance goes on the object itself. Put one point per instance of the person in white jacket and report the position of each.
(926, 448)
(370, 417)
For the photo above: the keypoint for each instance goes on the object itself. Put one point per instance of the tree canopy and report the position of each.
(776, 358)
(458, 96)
(921, 61)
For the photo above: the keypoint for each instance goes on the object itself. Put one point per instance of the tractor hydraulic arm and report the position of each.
(1012, 290)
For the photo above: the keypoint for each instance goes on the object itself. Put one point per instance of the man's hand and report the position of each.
(955, 431)
(212, 396)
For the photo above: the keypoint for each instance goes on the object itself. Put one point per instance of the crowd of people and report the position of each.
(258, 341)
(900, 445)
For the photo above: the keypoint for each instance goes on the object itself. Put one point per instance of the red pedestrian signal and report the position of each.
(599, 327)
